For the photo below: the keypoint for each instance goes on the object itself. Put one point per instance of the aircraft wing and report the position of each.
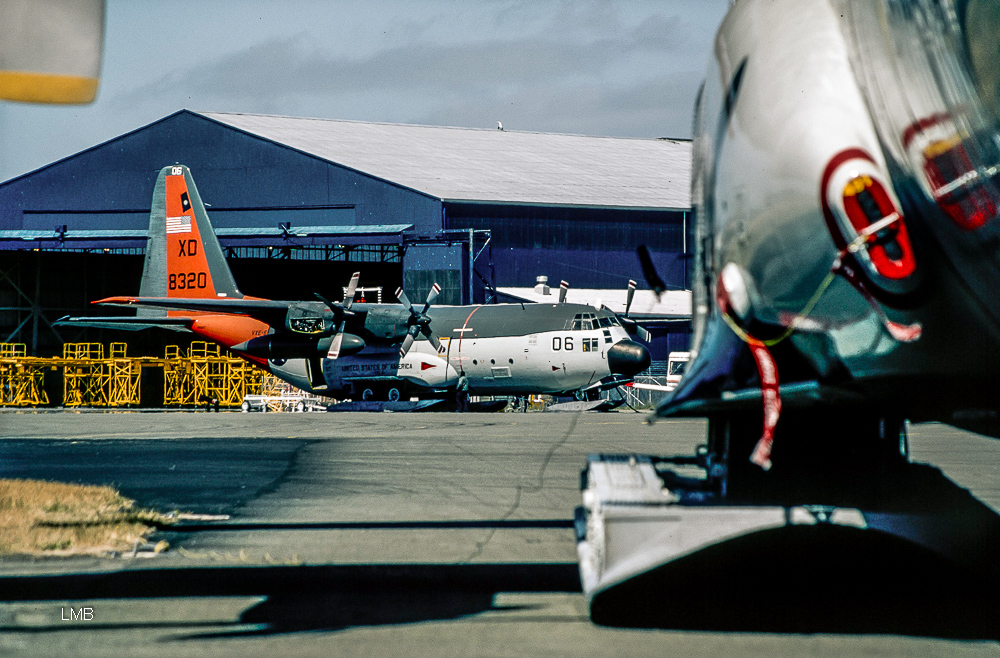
(127, 322)
(265, 310)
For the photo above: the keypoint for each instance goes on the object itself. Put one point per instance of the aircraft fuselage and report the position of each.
(502, 349)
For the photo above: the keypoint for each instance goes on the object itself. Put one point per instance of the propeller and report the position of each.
(419, 322)
(631, 325)
(649, 271)
(343, 310)
(338, 339)
(563, 289)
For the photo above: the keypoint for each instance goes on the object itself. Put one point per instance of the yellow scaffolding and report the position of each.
(205, 374)
(91, 380)
(21, 377)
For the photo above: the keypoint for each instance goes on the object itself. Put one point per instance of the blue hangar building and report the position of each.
(299, 204)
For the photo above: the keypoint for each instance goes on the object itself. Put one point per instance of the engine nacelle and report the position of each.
(388, 323)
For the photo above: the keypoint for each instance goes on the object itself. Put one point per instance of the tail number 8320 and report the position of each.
(187, 281)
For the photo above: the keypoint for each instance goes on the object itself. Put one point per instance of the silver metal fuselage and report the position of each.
(502, 349)
(782, 122)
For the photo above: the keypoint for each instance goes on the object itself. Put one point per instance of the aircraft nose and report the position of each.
(627, 357)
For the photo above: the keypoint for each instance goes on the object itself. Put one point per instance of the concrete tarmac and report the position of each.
(412, 534)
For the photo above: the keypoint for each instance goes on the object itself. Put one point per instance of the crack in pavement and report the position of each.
(481, 545)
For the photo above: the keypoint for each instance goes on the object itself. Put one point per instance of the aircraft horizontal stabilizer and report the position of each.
(260, 309)
(126, 323)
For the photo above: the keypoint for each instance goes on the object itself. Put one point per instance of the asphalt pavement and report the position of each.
(426, 534)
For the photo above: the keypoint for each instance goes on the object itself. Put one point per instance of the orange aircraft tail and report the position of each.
(183, 256)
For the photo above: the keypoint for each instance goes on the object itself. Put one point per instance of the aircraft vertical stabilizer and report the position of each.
(183, 255)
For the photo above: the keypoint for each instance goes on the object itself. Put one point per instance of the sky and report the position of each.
(622, 68)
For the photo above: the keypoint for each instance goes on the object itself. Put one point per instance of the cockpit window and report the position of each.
(604, 321)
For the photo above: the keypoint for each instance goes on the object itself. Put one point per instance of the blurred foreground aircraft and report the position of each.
(845, 278)
(50, 50)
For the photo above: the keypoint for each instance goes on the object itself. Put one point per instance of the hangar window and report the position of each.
(587, 230)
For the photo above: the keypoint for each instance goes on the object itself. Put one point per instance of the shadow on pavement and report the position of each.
(836, 579)
(311, 598)
(853, 586)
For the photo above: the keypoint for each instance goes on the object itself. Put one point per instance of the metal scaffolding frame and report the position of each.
(21, 377)
(92, 377)
(91, 380)
(205, 374)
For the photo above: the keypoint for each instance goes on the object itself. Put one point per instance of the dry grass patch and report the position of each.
(53, 518)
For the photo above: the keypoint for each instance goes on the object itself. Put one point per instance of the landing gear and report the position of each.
(373, 393)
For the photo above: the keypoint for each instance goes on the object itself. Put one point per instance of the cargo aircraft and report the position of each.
(846, 162)
(365, 351)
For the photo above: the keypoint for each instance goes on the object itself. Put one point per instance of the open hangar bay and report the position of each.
(299, 204)
(440, 534)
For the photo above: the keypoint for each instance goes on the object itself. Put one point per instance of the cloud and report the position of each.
(657, 106)
(578, 59)
(627, 68)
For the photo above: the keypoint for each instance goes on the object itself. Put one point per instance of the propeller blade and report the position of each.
(330, 305)
(563, 289)
(352, 288)
(631, 294)
(431, 296)
(643, 333)
(407, 343)
(334, 350)
(403, 299)
(426, 331)
(649, 271)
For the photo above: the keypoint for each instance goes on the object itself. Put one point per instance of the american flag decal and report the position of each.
(180, 224)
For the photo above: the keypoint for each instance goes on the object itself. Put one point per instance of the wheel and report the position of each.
(393, 395)
(300, 406)
(245, 407)
(367, 394)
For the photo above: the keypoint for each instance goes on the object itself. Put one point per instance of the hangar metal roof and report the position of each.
(495, 166)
